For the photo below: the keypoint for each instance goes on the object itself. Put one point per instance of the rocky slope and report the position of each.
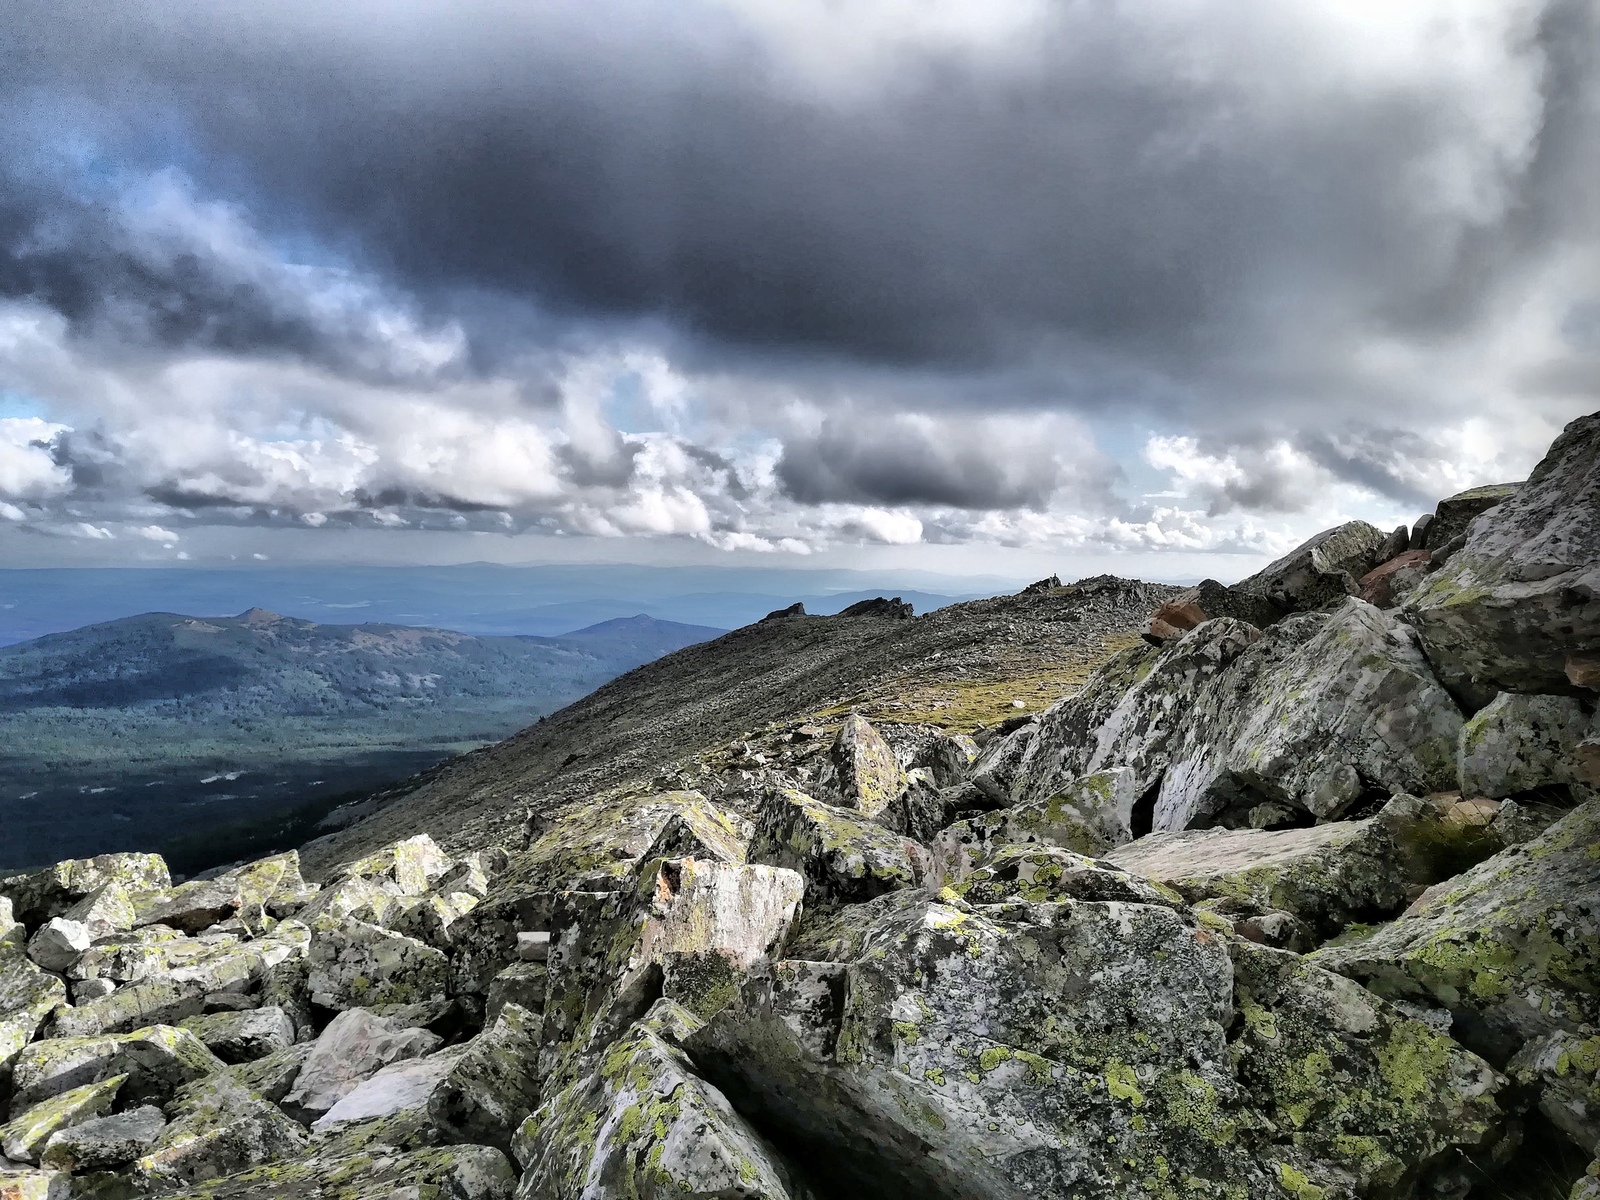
(1295, 897)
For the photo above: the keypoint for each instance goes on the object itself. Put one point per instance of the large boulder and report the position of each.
(40, 895)
(104, 1142)
(23, 1138)
(355, 1045)
(1228, 725)
(645, 1124)
(1516, 609)
(1083, 1048)
(861, 770)
(1510, 950)
(1520, 744)
(1454, 515)
(157, 1061)
(1320, 571)
(251, 893)
(218, 1127)
(843, 857)
(1090, 815)
(236, 1037)
(353, 964)
(28, 996)
(446, 1172)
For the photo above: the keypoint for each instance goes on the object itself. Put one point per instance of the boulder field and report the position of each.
(1298, 898)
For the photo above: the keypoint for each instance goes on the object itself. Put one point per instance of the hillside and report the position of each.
(963, 665)
(144, 729)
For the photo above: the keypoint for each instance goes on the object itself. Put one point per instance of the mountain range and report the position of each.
(163, 726)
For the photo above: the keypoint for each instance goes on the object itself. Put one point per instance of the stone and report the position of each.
(1046, 874)
(1520, 744)
(645, 1124)
(243, 1036)
(218, 1127)
(355, 1044)
(1321, 570)
(23, 1138)
(157, 1061)
(1206, 601)
(247, 893)
(40, 895)
(428, 919)
(796, 609)
(522, 984)
(1316, 713)
(353, 964)
(1521, 598)
(12, 931)
(864, 773)
(445, 1172)
(23, 1184)
(85, 991)
(28, 996)
(1090, 815)
(105, 1141)
(106, 910)
(741, 912)
(1454, 515)
(1388, 584)
(478, 1092)
(1563, 1070)
(1361, 1090)
(146, 1002)
(843, 858)
(996, 765)
(57, 943)
(412, 866)
(1510, 949)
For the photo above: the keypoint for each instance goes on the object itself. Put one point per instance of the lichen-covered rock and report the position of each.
(24, 1136)
(522, 984)
(1041, 874)
(27, 998)
(355, 1044)
(58, 943)
(862, 772)
(1454, 515)
(218, 1127)
(428, 918)
(1328, 876)
(353, 964)
(12, 931)
(156, 1001)
(1049, 1049)
(104, 1141)
(844, 858)
(412, 865)
(1321, 570)
(438, 1173)
(644, 1124)
(400, 1090)
(995, 769)
(1521, 743)
(236, 1037)
(1519, 603)
(106, 910)
(1510, 948)
(741, 912)
(157, 1061)
(25, 1184)
(1562, 1070)
(247, 893)
(1089, 816)
(1312, 715)
(1355, 1088)
(40, 895)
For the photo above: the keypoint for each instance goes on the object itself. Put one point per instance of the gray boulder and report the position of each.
(236, 1037)
(352, 964)
(1454, 515)
(445, 1172)
(28, 996)
(1510, 949)
(1521, 743)
(58, 943)
(1321, 570)
(250, 893)
(1517, 608)
(355, 1044)
(104, 1141)
(23, 1138)
(843, 857)
(645, 1124)
(157, 1061)
(861, 771)
(40, 895)
(218, 1127)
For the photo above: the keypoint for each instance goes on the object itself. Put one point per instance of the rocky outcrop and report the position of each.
(1515, 609)
(1509, 950)
(1520, 744)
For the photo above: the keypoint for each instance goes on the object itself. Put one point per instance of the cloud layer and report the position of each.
(777, 276)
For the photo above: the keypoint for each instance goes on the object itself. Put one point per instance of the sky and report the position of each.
(977, 286)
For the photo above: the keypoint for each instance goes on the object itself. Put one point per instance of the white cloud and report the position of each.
(154, 533)
(27, 469)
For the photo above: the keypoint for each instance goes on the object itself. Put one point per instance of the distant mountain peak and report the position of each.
(259, 616)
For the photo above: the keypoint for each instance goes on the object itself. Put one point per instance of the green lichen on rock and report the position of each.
(844, 858)
(1511, 947)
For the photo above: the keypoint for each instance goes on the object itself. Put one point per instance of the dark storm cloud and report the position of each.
(910, 461)
(644, 161)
